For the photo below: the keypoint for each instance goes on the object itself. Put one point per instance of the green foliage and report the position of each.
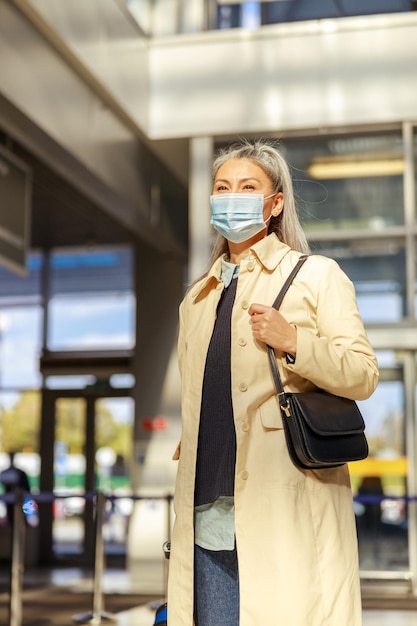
(21, 425)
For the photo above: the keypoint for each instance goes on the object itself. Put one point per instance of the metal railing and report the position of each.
(97, 614)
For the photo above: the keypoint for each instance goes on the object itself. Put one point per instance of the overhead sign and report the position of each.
(15, 211)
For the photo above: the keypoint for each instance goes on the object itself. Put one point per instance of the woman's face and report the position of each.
(245, 176)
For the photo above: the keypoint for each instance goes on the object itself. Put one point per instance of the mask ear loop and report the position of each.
(266, 198)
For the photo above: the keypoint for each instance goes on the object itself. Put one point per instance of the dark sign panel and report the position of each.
(15, 210)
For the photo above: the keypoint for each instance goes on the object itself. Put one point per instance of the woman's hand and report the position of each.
(271, 328)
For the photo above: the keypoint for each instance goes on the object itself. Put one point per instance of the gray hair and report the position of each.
(287, 225)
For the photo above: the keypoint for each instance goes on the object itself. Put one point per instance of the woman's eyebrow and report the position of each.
(242, 180)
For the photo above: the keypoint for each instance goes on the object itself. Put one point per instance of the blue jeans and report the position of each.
(216, 587)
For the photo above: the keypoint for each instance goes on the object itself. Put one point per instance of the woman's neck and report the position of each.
(240, 251)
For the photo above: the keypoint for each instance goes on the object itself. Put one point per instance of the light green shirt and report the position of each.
(214, 523)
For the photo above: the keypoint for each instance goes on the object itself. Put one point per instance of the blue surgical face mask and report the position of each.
(238, 216)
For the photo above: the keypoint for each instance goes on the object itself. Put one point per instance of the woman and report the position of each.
(257, 541)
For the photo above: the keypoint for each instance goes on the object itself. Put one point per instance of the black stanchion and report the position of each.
(17, 561)
(98, 615)
(167, 544)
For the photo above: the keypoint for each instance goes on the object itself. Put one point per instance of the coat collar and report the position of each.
(268, 251)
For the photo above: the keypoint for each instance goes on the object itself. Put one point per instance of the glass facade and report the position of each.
(353, 196)
(377, 269)
(349, 183)
(380, 482)
(243, 14)
(221, 14)
(69, 300)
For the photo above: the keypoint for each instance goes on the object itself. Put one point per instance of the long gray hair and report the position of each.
(286, 225)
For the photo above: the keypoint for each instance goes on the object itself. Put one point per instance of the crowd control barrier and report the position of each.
(16, 566)
(97, 614)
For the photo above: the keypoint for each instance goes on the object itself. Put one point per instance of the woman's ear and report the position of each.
(278, 204)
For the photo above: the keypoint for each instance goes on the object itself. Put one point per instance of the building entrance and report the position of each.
(86, 447)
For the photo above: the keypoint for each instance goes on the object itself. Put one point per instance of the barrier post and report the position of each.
(167, 545)
(17, 561)
(98, 614)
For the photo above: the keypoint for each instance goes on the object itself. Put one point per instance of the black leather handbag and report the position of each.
(321, 429)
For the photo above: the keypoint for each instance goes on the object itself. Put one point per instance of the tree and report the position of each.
(20, 423)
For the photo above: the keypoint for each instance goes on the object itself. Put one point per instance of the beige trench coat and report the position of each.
(295, 530)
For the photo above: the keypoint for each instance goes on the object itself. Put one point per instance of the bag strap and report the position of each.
(283, 402)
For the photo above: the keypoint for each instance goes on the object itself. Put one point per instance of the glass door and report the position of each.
(114, 419)
(92, 452)
(69, 478)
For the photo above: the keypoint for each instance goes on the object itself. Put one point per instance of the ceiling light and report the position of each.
(356, 166)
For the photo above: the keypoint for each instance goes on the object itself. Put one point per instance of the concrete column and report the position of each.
(170, 17)
(194, 15)
(159, 290)
(165, 17)
(200, 187)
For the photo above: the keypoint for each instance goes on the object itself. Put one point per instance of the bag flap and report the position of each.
(327, 414)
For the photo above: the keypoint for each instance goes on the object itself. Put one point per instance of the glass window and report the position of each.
(92, 304)
(377, 269)
(228, 16)
(21, 317)
(353, 183)
(379, 482)
(278, 11)
(20, 345)
(22, 289)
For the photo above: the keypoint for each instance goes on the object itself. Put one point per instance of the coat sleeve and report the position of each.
(337, 357)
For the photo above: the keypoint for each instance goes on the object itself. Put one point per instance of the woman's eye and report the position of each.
(249, 187)
(221, 188)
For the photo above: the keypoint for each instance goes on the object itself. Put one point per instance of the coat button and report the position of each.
(245, 304)
(244, 475)
(245, 427)
(242, 341)
(251, 266)
(243, 387)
